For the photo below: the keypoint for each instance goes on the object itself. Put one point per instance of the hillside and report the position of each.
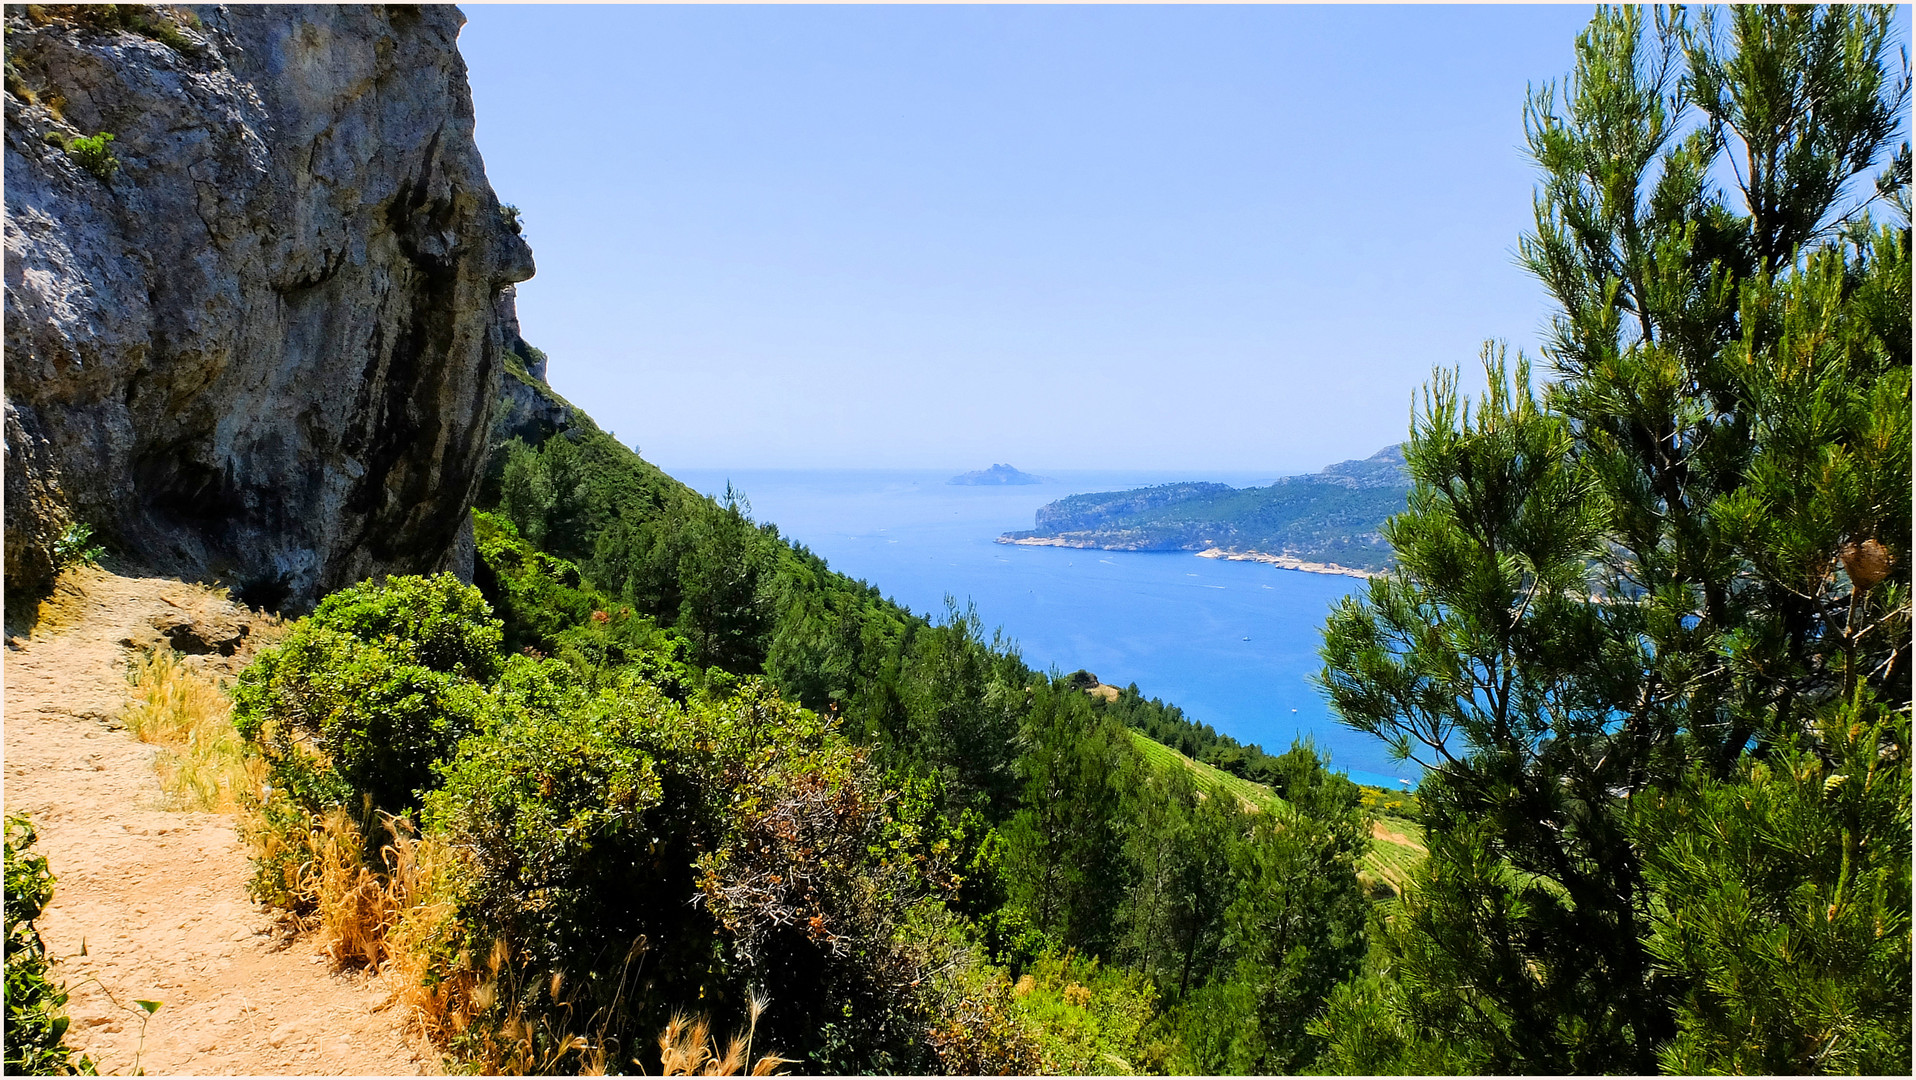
(1330, 517)
(1396, 842)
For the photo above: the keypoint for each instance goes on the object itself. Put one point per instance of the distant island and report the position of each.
(997, 474)
(1325, 522)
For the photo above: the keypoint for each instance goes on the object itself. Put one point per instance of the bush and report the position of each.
(549, 807)
(340, 721)
(1092, 1019)
(368, 693)
(89, 152)
(445, 623)
(36, 1018)
(75, 547)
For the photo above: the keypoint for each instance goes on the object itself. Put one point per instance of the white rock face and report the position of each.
(266, 349)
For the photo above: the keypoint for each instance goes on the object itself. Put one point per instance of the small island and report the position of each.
(997, 474)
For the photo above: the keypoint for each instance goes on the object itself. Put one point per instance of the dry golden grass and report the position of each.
(203, 762)
(394, 914)
(357, 907)
(688, 1048)
(67, 606)
(400, 920)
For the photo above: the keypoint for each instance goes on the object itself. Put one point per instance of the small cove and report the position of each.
(1232, 643)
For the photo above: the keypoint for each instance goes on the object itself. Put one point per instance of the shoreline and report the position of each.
(1282, 562)
(1287, 562)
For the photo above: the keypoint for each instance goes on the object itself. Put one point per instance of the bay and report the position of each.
(1232, 643)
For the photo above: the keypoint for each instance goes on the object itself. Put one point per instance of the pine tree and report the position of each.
(1624, 600)
(1063, 863)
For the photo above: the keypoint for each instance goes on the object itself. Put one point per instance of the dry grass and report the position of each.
(688, 1048)
(203, 763)
(67, 606)
(396, 914)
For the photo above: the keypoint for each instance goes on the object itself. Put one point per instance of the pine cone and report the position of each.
(1866, 563)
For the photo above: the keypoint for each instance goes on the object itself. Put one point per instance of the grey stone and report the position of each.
(267, 349)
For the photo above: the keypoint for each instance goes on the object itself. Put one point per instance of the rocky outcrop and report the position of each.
(265, 349)
(36, 514)
(528, 408)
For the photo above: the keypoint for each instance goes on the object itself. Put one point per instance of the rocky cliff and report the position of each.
(259, 335)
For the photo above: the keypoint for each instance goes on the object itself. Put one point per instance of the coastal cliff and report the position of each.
(1327, 522)
(259, 336)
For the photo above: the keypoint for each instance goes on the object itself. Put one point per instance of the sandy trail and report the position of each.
(156, 898)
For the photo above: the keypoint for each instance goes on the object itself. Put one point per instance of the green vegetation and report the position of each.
(1650, 630)
(36, 1020)
(1168, 725)
(75, 547)
(162, 24)
(90, 153)
(659, 758)
(1333, 516)
(1648, 634)
(1396, 847)
(1253, 795)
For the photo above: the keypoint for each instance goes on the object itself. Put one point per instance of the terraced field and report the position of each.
(1397, 845)
(1253, 795)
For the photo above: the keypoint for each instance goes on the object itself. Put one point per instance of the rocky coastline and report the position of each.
(1282, 562)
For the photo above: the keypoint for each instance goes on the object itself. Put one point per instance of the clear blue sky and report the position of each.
(1230, 238)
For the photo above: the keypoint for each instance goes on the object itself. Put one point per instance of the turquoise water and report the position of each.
(1232, 643)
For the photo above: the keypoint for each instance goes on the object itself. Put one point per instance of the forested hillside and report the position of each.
(672, 761)
(1334, 516)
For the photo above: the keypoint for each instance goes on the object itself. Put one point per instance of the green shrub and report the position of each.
(36, 1019)
(75, 546)
(1090, 1019)
(445, 623)
(549, 807)
(363, 697)
(746, 845)
(378, 723)
(90, 152)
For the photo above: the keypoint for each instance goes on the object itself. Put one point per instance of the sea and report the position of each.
(1234, 644)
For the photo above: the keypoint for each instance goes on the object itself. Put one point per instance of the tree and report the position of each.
(1677, 563)
(1293, 930)
(1063, 862)
(964, 696)
(725, 606)
(525, 491)
(1785, 895)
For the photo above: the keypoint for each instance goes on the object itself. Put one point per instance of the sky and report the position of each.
(1167, 238)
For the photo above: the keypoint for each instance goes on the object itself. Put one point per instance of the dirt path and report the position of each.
(155, 898)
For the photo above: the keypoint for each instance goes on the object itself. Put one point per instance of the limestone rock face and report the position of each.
(36, 515)
(266, 349)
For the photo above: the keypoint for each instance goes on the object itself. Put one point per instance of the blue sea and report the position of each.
(1232, 643)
